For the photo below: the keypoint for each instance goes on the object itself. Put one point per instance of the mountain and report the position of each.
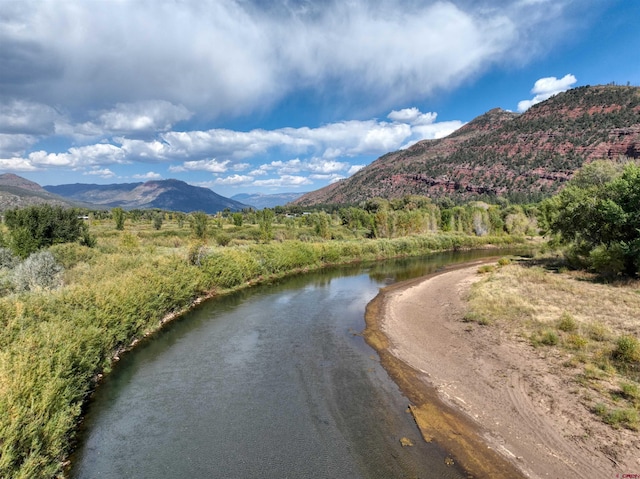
(260, 201)
(522, 157)
(173, 195)
(18, 192)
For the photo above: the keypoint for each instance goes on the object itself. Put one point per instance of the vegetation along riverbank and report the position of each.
(76, 294)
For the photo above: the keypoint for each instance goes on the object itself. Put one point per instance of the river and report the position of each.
(271, 382)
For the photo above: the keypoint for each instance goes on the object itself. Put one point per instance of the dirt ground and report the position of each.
(501, 407)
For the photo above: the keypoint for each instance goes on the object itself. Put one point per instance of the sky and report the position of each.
(255, 96)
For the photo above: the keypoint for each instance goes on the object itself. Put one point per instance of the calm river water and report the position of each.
(271, 382)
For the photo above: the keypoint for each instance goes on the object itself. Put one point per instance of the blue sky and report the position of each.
(247, 96)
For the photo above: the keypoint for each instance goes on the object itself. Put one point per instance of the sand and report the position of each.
(496, 404)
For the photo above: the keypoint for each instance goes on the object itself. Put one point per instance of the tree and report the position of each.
(157, 221)
(599, 218)
(37, 227)
(238, 218)
(265, 223)
(118, 216)
(198, 221)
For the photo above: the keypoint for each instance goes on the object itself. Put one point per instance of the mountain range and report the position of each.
(523, 157)
(172, 195)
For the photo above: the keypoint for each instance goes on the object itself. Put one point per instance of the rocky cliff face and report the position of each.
(503, 154)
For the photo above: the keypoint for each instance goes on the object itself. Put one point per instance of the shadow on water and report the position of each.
(270, 382)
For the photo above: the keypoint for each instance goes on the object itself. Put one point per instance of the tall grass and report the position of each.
(55, 344)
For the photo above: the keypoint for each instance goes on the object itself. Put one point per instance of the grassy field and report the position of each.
(593, 326)
(55, 344)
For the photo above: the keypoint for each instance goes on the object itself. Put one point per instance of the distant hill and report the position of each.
(18, 192)
(503, 154)
(260, 201)
(173, 195)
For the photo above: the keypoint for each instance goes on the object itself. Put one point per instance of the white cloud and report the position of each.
(17, 164)
(146, 116)
(99, 154)
(545, 88)
(285, 181)
(321, 150)
(151, 175)
(234, 180)
(104, 173)
(212, 166)
(412, 116)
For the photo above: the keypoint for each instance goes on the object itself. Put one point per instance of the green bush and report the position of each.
(608, 261)
(567, 323)
(627, 350)
(549, 337)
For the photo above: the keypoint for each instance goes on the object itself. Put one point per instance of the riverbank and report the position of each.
(491, 401)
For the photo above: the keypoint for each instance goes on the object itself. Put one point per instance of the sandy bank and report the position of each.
(491, 401)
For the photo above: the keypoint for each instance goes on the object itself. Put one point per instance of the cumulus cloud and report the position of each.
(234, 180)
(78, 157)
(545, 88)
(412, 116)
(103, 173)
(284, 181)
(324, 151)
(212, 166)
(151, 175)
(17, 164)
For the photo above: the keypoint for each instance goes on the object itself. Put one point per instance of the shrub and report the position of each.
(223, 239)
(157, 221)
(38, 271)
(608, 261)
(70, 254)
(196, 253)
(198, 221)
(630, 391)
(118, 216)
(548, 337)
(504, 261)
(576, 341)
(598, 332)
(567, 323)
(627, 350)
(8, 259)
(129, 241)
